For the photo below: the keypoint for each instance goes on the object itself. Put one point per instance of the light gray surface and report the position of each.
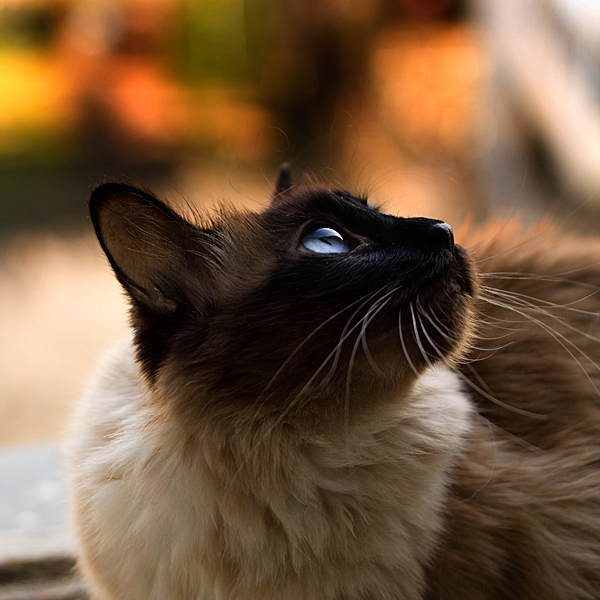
(33, 503)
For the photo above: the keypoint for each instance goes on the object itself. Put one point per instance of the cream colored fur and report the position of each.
(156, 522)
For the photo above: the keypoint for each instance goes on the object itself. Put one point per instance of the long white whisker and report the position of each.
(371, 314)
(490, 351)
(511, 436)
(338, 348)
(299, 395)
(546, 303)
(403, 343)
(365, 298)
(439, 326)
(363, 334)
(517, 276)
(561, 339)
(479, 389)
(524, 304)
(418, 337)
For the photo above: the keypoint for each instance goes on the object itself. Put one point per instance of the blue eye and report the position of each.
(325, 241)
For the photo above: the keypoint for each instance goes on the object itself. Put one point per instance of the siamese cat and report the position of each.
(322, 401)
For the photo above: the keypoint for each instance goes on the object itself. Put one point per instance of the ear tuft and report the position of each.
(284, 181)
(146, 242)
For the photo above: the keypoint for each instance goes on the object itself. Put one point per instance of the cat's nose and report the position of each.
(440, 234)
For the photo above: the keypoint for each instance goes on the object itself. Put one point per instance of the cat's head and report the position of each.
(320, 304)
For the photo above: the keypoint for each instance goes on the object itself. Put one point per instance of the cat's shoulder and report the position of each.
(114, 396)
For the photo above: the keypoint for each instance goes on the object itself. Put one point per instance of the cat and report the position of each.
(322, 401)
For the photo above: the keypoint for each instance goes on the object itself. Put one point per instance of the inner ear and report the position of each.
(152, 250)
(284, 180)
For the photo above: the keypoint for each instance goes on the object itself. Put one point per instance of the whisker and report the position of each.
(453, 341)
(569, 306)
(363, 338)
(403, 343)
(522, 303)
(480, 379)
(438, 325)
(489, 425)
(512, 437)
(294, 402)
(262, 398)
(375, 309)
(339, 345)
(492, 398)
(418, 338)
(557, 278)
(365, 298)
(558, 337)
(478, 389)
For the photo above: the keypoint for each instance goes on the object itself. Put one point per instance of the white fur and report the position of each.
(358, 520)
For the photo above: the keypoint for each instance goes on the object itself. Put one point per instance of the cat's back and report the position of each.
(535, 366)
(523, 515)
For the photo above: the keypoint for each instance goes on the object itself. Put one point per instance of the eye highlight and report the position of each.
(325, 240)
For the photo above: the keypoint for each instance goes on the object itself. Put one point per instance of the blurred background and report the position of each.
(451, 109)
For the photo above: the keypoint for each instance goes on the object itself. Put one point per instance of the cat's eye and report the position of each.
(325, 241)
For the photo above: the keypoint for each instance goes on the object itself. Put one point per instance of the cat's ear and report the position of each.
(284, 180)
(149, 246)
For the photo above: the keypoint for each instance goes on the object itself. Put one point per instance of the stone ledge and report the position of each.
(63, 588)
(51, 579)
(36, 547)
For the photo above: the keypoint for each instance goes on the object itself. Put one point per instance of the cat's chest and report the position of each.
(358, 511)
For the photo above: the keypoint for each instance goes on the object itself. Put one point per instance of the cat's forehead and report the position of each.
(314, 202)
(352, 198)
